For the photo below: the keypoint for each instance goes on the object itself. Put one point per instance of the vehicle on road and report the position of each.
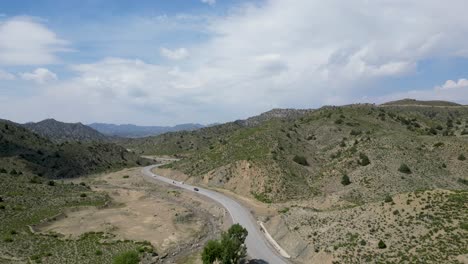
(195, 189)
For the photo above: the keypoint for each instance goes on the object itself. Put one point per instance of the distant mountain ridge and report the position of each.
(278, 113)
(414, 102)
(25, 151)
(134, 131)
(61, 132)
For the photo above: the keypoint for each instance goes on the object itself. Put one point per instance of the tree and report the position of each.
(212, 251)
(461, 157)
(382, 245)
(229, 250)
(345, 180)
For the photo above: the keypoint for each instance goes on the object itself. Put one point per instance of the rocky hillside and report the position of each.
(22, 150)
(61, 132)
(183, 143)
(133, 131)
(359, 153)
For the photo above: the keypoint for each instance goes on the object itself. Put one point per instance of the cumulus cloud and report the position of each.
(209, 2)
(175, 54)
(298, 53)
(4, 75)
(455, 91)
(449, 84)
(25, 41)
(39, 75)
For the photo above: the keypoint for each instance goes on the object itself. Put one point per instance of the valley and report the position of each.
(345, 184)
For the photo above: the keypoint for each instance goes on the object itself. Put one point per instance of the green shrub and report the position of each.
(98, 252)
(129, 257)
(2, 170)
(126, 176)
(339, 121)
(355, 132)
(461, 157)
(388, 198)
(363, 242)
(404, 169)
(83, 195)
(432, 131)
(8, 239)
(463, 181)
(345, 180)
(262, 197)
(51, 183)
(300, 160)
(382, 245)
(363, 159)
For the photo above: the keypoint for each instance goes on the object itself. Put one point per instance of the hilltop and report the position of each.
(414, 102)
(61, 132)
(24, 151)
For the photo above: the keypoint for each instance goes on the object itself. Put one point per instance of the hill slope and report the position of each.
(23, 150)
(308, 156)
(60, 131)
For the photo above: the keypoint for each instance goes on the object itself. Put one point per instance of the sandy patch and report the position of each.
(141, 210)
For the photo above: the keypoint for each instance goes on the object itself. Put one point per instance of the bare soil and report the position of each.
(175, 222)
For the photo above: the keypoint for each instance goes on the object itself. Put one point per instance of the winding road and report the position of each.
(258, 248)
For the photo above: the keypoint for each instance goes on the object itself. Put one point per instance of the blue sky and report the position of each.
(164, 62)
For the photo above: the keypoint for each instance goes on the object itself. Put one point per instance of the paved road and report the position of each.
(257, 246)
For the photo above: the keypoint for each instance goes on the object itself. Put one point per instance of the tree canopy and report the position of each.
(230, 249)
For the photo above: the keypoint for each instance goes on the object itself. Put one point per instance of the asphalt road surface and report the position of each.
(258, 248)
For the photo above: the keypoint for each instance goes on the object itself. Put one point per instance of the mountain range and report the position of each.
(134, 131)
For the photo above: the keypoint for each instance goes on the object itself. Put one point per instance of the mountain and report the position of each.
(414, 102)
(181, 143)
(61, 132)
(307, 155)
(133, 131)
(21, 150)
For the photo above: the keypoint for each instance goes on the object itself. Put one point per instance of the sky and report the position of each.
(166, 62)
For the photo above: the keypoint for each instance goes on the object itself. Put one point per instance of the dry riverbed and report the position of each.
(176, 223)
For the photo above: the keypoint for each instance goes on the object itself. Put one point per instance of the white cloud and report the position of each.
(298, 53)
(209, 2)
(39, 75)
(176, 54)
(454, 91)
(25, 41)
(4, 75)
(449, 84)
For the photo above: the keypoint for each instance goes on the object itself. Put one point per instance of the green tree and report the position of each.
(461, 157)
(382, 245)
(230, 249)
(212, 251)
